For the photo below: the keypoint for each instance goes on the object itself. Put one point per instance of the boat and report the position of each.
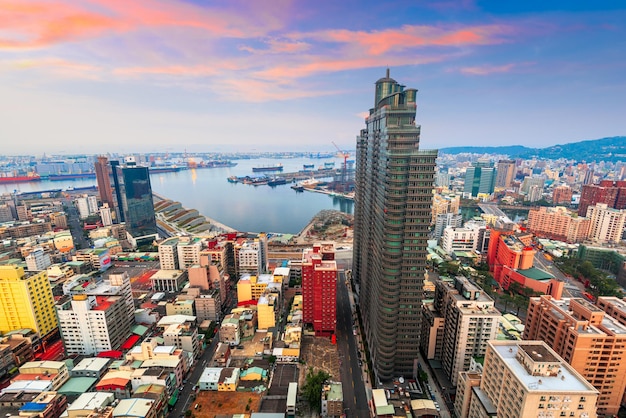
(19, 179)
(233, 179)
(277, 181)
(172, 169)
(277, 167)
(309, 184)
(329, 165)
(71, 176)
(216, 164)
(309, 166)
(297, 188)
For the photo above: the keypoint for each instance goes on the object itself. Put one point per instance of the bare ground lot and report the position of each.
(320, 354)
(212, 403)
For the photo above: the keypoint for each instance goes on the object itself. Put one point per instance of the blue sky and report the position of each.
(154, 75)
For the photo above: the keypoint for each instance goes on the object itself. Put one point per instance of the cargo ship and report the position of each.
(216, 164)
(277, 181)
(19, 179)
(308, 166)
(173, 169)
(277, 167)
(60, 177)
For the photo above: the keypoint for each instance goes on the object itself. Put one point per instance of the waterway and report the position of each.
(243, 207)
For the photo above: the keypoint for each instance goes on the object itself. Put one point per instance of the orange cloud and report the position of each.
(57, 66)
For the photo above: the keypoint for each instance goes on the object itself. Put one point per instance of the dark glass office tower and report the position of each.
(135, 199)
(394, 184)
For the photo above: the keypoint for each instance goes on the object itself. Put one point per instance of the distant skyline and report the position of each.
(100, 76)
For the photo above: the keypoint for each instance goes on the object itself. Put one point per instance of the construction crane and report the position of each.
(344, 169)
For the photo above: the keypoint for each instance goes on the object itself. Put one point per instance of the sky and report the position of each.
(94, 76)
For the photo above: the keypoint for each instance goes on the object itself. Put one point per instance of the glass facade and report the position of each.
(136, 204)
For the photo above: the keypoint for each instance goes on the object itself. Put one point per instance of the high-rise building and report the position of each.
(607, 224)
(469, 320)
(319, 288)
(557, 223)
(38, 260)
(135, 202)
(613, 193)
(505, 173)
(394, 183)
(26, 301)
(562, 195)
(103, 178)
(168, 253)
(590, 340)
(480, 178)
(188, 252)
(524, 379)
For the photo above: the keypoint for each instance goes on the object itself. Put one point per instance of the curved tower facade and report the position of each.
(394, 183)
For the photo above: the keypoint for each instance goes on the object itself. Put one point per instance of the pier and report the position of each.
(292, 177)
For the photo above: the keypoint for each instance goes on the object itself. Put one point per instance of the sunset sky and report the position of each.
(155, 75)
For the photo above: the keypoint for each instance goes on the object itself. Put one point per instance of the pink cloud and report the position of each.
(491, 69)
(411, 36)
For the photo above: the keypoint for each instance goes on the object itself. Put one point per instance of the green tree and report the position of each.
(312, 389)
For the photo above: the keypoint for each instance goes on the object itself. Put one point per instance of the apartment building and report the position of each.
(607, 224)
(168, 254)
(525, 379)
(558, 223)
(188, 252)
(589, 339)
(319, 288)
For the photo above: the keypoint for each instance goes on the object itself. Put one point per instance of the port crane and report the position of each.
(344, 168)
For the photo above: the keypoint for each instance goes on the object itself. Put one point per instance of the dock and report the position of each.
(292, 177)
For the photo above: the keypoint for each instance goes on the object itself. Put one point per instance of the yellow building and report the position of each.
(266, 310)
(26, 301)
(252, 287)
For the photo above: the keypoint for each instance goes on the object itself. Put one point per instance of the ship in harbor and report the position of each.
(277, 181)
(71, 176)
(277, 167)
(10, 178)
(169, 169)
(308, 166)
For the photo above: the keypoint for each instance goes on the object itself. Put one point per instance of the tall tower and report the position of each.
(505, 173)
(104, 181)
(135, 202)
(394, 183)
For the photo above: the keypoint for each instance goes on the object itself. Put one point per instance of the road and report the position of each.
(73, 222)
(572, 287)
(185, 396)
(354, 397)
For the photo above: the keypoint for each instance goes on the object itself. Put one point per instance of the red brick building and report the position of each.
(613, 193)
(319, 288)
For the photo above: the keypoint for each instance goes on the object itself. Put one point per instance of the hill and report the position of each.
(605, 149)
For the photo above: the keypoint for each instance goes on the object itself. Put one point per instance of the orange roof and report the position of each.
(114, 381)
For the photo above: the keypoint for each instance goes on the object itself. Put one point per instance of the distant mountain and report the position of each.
(606, 149)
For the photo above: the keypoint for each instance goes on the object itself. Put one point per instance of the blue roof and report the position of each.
(34, 406)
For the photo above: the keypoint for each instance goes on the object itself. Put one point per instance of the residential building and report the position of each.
(88, 404)
(83, 207)
(445, 220)
(393, 198)
(319, 288)
(558, 223)
(252, 256)
(252, 287)
(611, 193)
(480, 178)
(505, 173)
(523, 379)
(168, 253)
(38, 260)
(460, 239)
(210, 378)
(136, 408)
(53, 371)
(188, 252)
(230, 330)
(91, 324)
(445, 204)
(562, 195)
(106, 215)
(6, 214)
(332, 400)
(589, 339)
(26, 301)
(181, 331)
(466, 319)
(267, 308)
(607, 224)
(98, 258)
(530, 181)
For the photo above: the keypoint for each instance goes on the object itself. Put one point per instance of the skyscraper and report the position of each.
(134, 192)
(394, 183)
(505, 173)
(319, 288)
(104, 181)
(480, 178)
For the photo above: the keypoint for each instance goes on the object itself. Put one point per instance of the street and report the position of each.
(354, 396)
(185, 395)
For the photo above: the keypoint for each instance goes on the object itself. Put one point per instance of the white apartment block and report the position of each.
(607, 224)
(38, 260)
(83, 207)
(91, 324)
(188, 252)
(168, 255)
(459, 239)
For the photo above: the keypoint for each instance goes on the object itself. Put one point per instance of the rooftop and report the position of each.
(536, 274)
